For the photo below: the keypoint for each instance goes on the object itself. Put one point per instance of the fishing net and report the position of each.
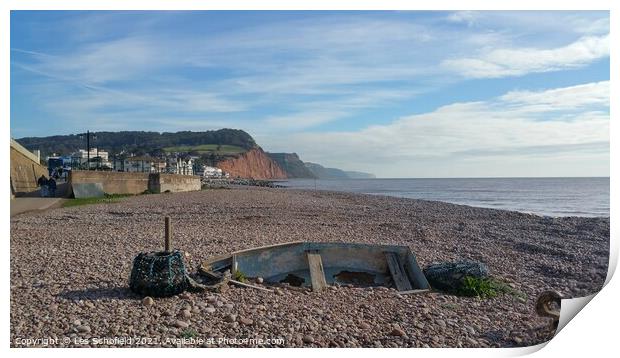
(450, 276)
(158, 274)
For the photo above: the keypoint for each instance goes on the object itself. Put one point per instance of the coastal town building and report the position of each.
(179, 165)
(140, 164)
(212, 172)
(98, 159)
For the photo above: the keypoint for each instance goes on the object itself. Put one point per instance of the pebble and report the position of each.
(364, 325)
(83, 329)
(308, 339)
(185, 314)
(147, 301)
(259, 280)
(230, 318)
(210, 309)
(181, 324)
(472, 341)
(246, 321)
(397, 331)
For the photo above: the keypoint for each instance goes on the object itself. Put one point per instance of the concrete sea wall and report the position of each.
(136, 183)
(160, 183)
(25, 170)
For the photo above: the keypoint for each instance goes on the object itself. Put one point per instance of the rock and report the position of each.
(472, 341)
(308, 339)
(83, 329)
(259, 280)
(210, 309)
(364, 325)
(449, 276)
(230, 318)
(181, 324)
(246, 321)
(185, 314)
(147, 301)
(185, 296)
(518, 340)
(89, 304)
(167, 313)
(229, 306)
(398, 332)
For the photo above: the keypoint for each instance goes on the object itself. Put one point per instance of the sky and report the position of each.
(396, 94)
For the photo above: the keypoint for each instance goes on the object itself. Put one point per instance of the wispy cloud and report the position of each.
(504, 62)
(567, 98)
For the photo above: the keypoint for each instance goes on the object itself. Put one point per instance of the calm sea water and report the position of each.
(542, 196)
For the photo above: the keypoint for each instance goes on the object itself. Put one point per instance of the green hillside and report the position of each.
(206, 148)
(230, 141)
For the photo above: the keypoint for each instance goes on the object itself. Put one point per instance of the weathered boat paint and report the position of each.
(341, 263)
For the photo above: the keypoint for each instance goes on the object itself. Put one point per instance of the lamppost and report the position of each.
(88, 135)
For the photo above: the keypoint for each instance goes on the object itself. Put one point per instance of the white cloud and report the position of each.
(504, 62)
(505, 129)
(467, 17)
(590, 94)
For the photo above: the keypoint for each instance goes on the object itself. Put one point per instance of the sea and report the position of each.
(542, 196)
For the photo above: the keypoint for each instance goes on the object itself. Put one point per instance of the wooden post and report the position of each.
(168, 234)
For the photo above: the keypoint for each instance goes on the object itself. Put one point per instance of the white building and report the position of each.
(97, 159)
(212, 172)
(84, 154)
(142, 165)
(178, 165)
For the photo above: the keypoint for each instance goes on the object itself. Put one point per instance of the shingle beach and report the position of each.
(70, 270)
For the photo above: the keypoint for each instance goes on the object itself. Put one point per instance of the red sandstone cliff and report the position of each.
(253, 164)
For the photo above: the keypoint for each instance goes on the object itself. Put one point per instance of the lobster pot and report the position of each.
(158, 274)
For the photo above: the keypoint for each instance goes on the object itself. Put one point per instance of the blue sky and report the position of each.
(398, 94)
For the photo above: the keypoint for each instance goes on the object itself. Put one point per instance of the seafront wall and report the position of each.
(25, 170)
(160, 183)
(135, 183)
(112, 182)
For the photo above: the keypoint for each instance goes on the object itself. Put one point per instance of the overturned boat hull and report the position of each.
(319, 264)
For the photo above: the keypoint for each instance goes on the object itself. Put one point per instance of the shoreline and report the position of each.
(85, 277)
(555, 197)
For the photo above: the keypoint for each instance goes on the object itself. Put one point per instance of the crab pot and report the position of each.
(158, 274)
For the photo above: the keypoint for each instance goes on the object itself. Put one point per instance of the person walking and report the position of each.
(51, 184)
(42, 182)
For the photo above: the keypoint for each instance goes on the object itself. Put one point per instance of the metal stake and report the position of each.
(168, 234)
